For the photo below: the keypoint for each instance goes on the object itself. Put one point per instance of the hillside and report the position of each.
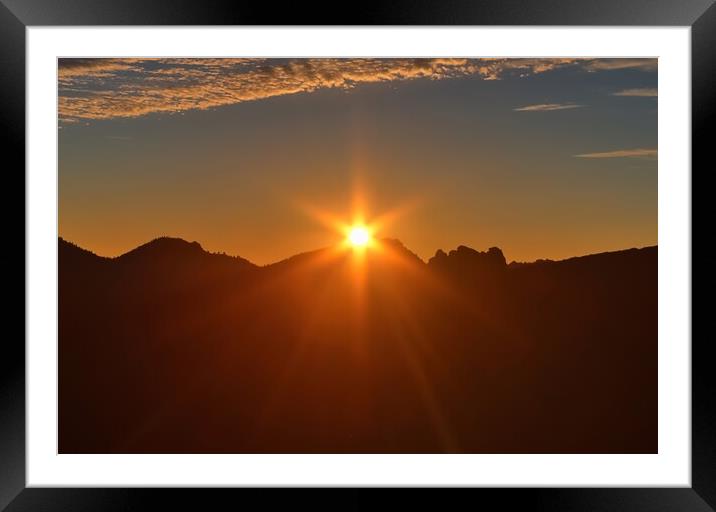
(169, 348)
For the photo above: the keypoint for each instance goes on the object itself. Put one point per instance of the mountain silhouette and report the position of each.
(169, 348)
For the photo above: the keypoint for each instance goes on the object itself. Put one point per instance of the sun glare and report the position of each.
(358, 236)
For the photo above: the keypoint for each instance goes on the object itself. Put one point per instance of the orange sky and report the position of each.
(545, 159)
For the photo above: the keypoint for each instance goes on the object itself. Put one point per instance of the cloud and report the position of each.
(644, 93)
(72, 70)
(615, 64)
(622, 153)
(124, 88)
(544, 107)
(118, 137)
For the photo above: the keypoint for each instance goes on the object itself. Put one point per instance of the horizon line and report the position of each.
(60, 238)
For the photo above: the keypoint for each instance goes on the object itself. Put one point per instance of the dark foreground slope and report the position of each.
(172, 349)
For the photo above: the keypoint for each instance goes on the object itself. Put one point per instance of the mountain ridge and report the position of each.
(329, 353)
(163, 243)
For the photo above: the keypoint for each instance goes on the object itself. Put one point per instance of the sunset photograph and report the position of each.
(357, 255)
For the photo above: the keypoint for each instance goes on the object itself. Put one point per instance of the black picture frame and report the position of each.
(17, 15)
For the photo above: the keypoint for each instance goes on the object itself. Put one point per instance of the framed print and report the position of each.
(443, 246)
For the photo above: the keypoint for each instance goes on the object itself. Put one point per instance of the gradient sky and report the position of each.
(545, 158)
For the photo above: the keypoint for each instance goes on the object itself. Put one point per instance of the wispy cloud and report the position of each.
(543, 107)
(111, 88)
(69, 69)
(622, 153)
(118, 137)
(614, 64)
(645, 93)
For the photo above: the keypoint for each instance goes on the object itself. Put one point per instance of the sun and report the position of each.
(359, 236)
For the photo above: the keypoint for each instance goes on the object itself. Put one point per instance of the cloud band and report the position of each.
(92, 89)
